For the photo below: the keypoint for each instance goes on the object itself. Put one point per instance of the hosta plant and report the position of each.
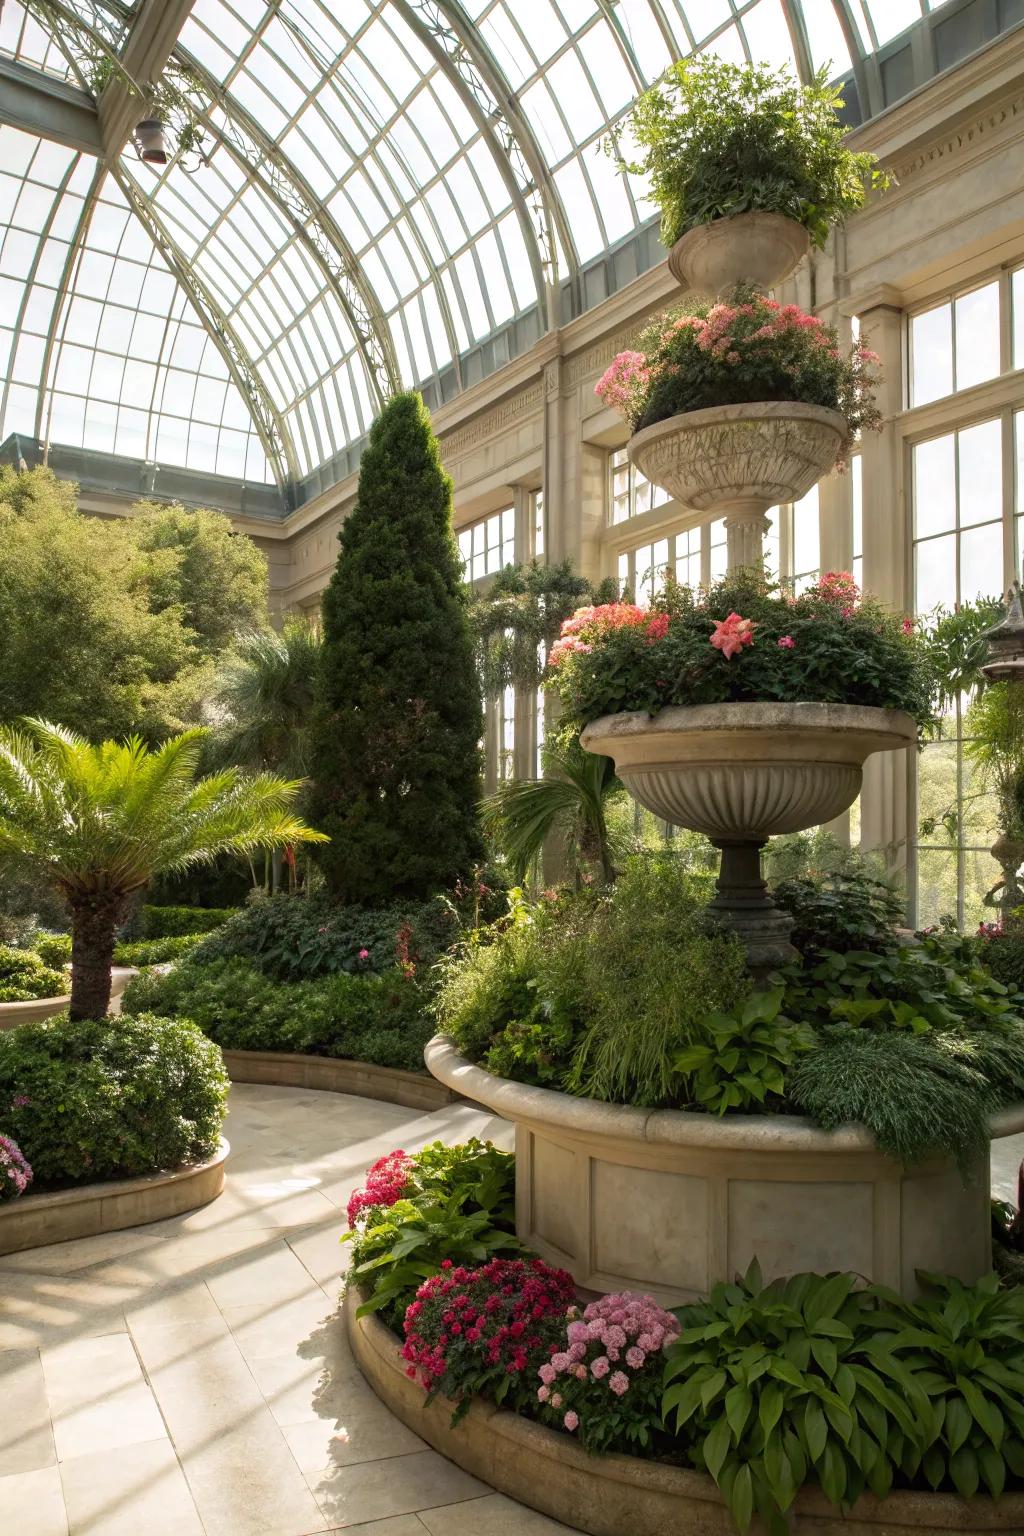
(717, 139)
(742, 1064)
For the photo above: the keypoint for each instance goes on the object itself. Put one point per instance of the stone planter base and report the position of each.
(616, 1495)
(332, 1074)
(35, 1220)
(670, 1202)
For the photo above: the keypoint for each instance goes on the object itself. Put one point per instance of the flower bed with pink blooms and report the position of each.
(749, 350)
(744, 640)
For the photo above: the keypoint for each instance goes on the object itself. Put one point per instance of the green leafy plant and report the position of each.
(767, 1388)
(743, 1064)
(53, 948)
(716, 139)
(844, 649)
(570, 802)
(847, 909)
(394, 742)
(155, 951)
(101, 821)
(170, 922)
(732, 351)
(1002, 955)
(459, 1210)
(113, 1098)
(24, 975)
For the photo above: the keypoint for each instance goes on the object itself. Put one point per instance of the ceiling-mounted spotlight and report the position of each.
(149, 141)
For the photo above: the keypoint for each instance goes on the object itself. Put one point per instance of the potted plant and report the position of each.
(741, 713)
(747, 165)
(737, 406)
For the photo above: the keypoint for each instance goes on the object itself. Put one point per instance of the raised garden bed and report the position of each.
(334, 1074)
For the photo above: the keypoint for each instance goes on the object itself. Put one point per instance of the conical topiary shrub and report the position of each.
(395, 742)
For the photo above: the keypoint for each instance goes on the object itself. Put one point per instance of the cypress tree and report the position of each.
(398, 720)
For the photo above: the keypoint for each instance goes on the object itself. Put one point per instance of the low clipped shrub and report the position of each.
(24, 976)
(53, 949)
(375, 1018)
(113, 1098)
(157, 922)
(155, 951)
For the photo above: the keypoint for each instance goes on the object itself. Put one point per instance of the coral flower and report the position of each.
(730, 635)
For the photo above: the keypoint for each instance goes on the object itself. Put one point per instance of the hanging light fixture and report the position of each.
(150, 141)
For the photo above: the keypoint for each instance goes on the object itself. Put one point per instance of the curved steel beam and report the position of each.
(520, 141)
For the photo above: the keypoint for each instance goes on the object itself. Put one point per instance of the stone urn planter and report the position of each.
(761, 248)
(739, 460)
(671, 1201)
(741, 773)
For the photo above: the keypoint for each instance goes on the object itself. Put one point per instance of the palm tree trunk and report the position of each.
(93, 922)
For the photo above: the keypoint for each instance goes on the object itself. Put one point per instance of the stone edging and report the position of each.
(335, 1074)
(35, 1220)
(608, 1495)
(35, 1009)
(671, 1127)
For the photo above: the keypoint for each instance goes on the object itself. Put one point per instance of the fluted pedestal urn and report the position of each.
(739, 460)
(741, 773)
(761, 248)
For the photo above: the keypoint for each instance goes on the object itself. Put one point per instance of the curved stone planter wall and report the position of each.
(92, 1208)
(331, 1074)
(671, 1202)
(612, 1495)
(38, 1008)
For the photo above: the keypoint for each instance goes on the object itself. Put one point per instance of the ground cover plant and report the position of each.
(739, 350)
(742, 640)
(24, 975)
(114, 1098)
(717, 139)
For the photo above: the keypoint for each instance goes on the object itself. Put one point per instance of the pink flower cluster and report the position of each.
(589, 623)
(730, 635)
(386, 1182)
(838, 587)
(616, 1335)
(15, 1169)
(624, 384)
(466, 1320)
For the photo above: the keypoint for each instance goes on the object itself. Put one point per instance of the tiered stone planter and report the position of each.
(761, 248)
(671, 1202)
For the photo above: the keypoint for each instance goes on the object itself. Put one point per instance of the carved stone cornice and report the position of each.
(974, 134)
(489, 423)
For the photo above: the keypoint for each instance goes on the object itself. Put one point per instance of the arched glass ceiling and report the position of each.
(388, 184)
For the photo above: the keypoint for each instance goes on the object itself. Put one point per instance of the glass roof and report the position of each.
(387, 185)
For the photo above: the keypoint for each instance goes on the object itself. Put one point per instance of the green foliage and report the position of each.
(717, 139)
(841, 911)
(570, 802)
(395, 739)
(264, 692)
(155, 951)
(522, 611)
(112, 626)
(1002, 955)
(955, 648)
(994, 742)
(53, 948)
(768, 1389)
(844, 651)
(461, 1208)
(168, 922)
(963, 1348)
(811, 1380)
(592, 993)
(24, 975)
(99, 821)
(743, 1064)
(111, 1099)
(295, 937)
(376, 1018)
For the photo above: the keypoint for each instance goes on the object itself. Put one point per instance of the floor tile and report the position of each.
(137, 1489)
(99, 1398)
(26, 1435)
(399, 1485)
(32, 1504)
(364, 1431)
(491, 1516)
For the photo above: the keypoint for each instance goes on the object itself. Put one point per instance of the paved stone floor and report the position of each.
(192, 1376)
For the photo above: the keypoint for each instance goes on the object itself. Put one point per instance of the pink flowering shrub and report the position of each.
(481, 1332)
(15, 1171)
(604, 1378)
(387, 1180)
(749, 349)
(743, 640)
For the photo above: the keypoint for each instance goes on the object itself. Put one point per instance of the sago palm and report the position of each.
(572, 803)
(99, 821)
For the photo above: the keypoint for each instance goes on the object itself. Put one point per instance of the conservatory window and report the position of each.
(630, 492)
(488, 545)
(955, 344)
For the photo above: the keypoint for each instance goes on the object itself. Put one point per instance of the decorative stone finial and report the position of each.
(1005, 643)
